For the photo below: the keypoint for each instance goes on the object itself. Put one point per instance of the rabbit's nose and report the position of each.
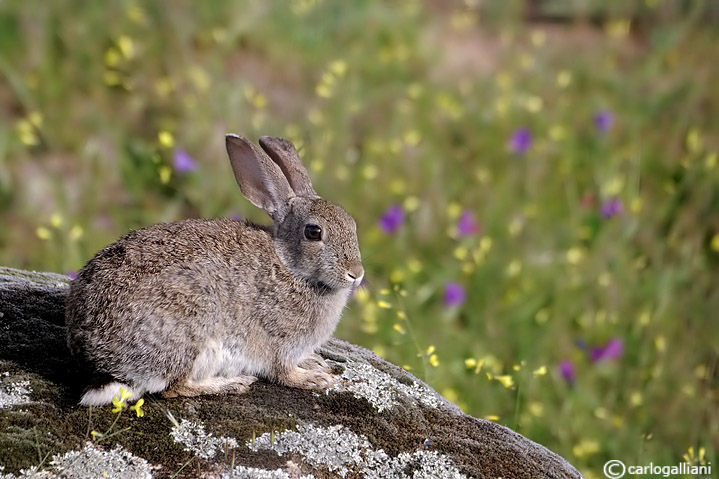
(355, 273)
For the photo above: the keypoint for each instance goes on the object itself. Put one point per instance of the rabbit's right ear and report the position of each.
(283, 153)
(260, 179)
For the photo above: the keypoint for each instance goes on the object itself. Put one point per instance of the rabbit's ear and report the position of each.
(260, 179)
(283, 153)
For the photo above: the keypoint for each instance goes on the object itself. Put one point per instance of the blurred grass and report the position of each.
(414, 104)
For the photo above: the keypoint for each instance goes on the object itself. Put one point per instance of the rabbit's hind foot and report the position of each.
(298, 377)
(213, 385)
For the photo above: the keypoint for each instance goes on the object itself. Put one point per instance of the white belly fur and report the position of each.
(225, 360)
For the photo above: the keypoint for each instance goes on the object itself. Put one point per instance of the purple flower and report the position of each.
(603, 120)
(467, 225)
(454, 294)
(392, 219)
(521, 140)
(612, 207)
(183, 162)
(72, 274)
(566, 369)
(612, 350)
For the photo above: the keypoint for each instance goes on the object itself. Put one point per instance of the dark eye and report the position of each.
(313, 232)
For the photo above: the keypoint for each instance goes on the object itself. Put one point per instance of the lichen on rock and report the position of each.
(242, 472)
(343, 452)
(379, 388)
(13, 393)
(90, 462)
(192, 435)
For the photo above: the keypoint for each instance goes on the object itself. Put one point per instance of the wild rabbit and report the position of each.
(205, 306)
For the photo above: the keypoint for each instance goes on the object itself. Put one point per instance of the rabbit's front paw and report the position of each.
(314, 362)
(308, 379)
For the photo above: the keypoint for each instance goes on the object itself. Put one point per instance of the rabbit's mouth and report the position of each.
(321, 288)
(324, 288)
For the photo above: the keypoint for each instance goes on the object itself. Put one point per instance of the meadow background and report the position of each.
(535, 182)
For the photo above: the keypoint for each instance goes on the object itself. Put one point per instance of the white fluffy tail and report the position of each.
(103, 395)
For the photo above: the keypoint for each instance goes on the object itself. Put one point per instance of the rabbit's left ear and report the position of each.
(283, 153)
(260, 179)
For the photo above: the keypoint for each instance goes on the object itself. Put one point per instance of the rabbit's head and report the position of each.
(314, 238)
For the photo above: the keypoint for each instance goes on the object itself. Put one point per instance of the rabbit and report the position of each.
(206, 306)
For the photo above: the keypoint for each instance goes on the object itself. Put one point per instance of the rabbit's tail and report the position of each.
(101, 395)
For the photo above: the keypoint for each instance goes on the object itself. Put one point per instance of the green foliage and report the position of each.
(414, 105)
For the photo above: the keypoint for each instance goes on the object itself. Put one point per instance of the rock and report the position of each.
(379, 422)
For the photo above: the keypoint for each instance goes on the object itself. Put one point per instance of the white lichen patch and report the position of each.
(13, 393)
(342, 452)
(379, 388)
(192, 435)
(242, 472)
(422, 464)
(90, 462)
(31, 473)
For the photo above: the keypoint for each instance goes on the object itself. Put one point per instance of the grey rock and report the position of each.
(379, 421)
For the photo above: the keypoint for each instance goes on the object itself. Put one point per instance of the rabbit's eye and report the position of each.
(313, 232)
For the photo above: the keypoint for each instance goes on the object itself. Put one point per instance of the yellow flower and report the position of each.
(715, 243)
(338, 67)
(536, 409)
(370, 172)
(125, 394)
(411, 203)
(56, 220)
(619, 28)
(118, 405)
(557, 133)
(564, 78)
(574, 255)
(514, 268)
(166, 139)
(542, 316)
(137, 407)
(126, 46)
(454, 209)
(694, 140)
(397, 276)
(586, 447)
(412, 137)
(434, 360)
(26, 131)
(540, 371)
(505, 380)
(165, 173)
(711, 160)
(461, 253)
(76, 232)
(43, 233)
(538, 38)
